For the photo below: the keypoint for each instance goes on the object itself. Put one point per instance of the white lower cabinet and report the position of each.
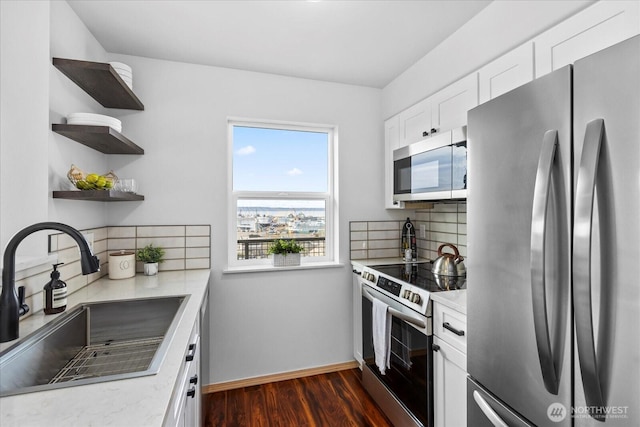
(449, 367)
(450, 385)
(185, 406)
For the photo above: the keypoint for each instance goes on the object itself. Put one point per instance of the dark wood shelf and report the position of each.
(101, 82)
(98, 195)
(101, 138)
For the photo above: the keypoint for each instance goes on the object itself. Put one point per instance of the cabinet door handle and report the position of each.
(191, 353)
(425, 133)
(193, 380)
(436, 347)
(448, 326)
(191, 392)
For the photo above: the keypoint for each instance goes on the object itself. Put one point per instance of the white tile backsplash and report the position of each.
(444, 223)
(186, 247)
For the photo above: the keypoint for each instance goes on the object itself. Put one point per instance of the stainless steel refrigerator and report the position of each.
(553, 258)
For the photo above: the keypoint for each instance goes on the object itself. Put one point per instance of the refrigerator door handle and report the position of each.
(538, 286)
(488, 411)
(585, 192)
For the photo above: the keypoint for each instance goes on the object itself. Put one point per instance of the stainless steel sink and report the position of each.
(95, 342)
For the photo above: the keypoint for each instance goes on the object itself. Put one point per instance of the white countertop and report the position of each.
(139, 401)
(456, 300)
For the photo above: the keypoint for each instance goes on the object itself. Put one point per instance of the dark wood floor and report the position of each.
(335, 399)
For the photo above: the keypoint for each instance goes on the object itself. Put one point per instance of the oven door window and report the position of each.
(410, 375)
(431, 171)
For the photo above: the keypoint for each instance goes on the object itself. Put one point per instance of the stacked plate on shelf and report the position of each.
(124, 71)
(94, 120)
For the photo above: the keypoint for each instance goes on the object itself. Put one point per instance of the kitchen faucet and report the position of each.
(10, 307)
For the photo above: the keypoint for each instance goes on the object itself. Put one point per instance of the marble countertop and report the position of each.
(139, 401)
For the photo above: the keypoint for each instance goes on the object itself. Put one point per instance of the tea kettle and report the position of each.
(449, 264)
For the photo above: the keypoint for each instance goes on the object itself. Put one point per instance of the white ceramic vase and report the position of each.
(150, 268)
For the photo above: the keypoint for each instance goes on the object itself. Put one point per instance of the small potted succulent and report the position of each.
(150, 255)
(285, 253)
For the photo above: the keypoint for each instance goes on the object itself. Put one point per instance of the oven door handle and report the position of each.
(395, 313)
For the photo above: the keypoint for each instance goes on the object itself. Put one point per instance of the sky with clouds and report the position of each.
(279, 160)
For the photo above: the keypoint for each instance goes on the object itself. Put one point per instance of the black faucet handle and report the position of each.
(23, 308)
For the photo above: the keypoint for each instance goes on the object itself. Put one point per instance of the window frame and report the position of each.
(330, 197)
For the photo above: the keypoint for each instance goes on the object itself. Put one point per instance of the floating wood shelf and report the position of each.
(101, 138)
(101, 81)
(98, 195)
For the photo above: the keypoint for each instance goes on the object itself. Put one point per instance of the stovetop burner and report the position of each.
(420, 275)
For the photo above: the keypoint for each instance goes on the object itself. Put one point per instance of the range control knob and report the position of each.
(406, 294)
(415, 298)
(369, 276)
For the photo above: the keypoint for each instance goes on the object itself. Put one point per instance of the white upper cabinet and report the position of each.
(507, 72)
(391, 142)
(414, 123)
(450, 105)
(595, 28)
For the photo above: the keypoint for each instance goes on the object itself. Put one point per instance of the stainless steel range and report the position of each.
(405, 390)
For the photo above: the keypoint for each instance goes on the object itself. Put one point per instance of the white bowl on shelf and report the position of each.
(92, 119)
(124, 71)
(121, 66)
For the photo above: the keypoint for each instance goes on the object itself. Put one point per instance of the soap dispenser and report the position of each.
(55, 293)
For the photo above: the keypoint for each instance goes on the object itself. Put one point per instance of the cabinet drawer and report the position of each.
(450, 326)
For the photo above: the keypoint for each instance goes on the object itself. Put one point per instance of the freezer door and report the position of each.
(607, 231)
(519, 199)
(486, 411)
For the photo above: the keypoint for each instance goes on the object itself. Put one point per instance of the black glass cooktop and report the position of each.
(419, 274)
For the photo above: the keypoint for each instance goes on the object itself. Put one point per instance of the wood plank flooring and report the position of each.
(331, 400)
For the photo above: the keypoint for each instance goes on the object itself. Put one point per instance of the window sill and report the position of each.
(270, 268)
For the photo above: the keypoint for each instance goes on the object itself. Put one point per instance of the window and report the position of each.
(281, 187)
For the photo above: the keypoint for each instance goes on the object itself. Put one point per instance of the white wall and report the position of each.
(71, 39)
(497, 29)
(24, 84)
(262, 323)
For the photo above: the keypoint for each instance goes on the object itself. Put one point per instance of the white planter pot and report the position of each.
(150, 268)
(287, 260)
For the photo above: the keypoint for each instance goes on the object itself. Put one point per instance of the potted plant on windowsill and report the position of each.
(151, 256)
(285, 253)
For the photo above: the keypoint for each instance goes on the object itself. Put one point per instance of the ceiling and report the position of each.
(366, 43)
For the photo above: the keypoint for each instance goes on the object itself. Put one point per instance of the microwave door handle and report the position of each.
(395, 313)
(488, 411)
(585, 190)
(538, 285)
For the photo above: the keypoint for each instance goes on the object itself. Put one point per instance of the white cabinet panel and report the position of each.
(391, 142)
(449, 385)
(449, 366)
(357, 318)
(414, 123)
(595, 28)
(450, 105)
(507, 72)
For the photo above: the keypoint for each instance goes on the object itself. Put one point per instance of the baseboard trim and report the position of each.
(248, 382)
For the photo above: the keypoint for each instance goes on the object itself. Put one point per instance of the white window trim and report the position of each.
(330, 197)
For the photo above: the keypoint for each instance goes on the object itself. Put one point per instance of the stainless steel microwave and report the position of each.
(432, 169)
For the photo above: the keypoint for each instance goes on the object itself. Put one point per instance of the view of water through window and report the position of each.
(288, 162)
